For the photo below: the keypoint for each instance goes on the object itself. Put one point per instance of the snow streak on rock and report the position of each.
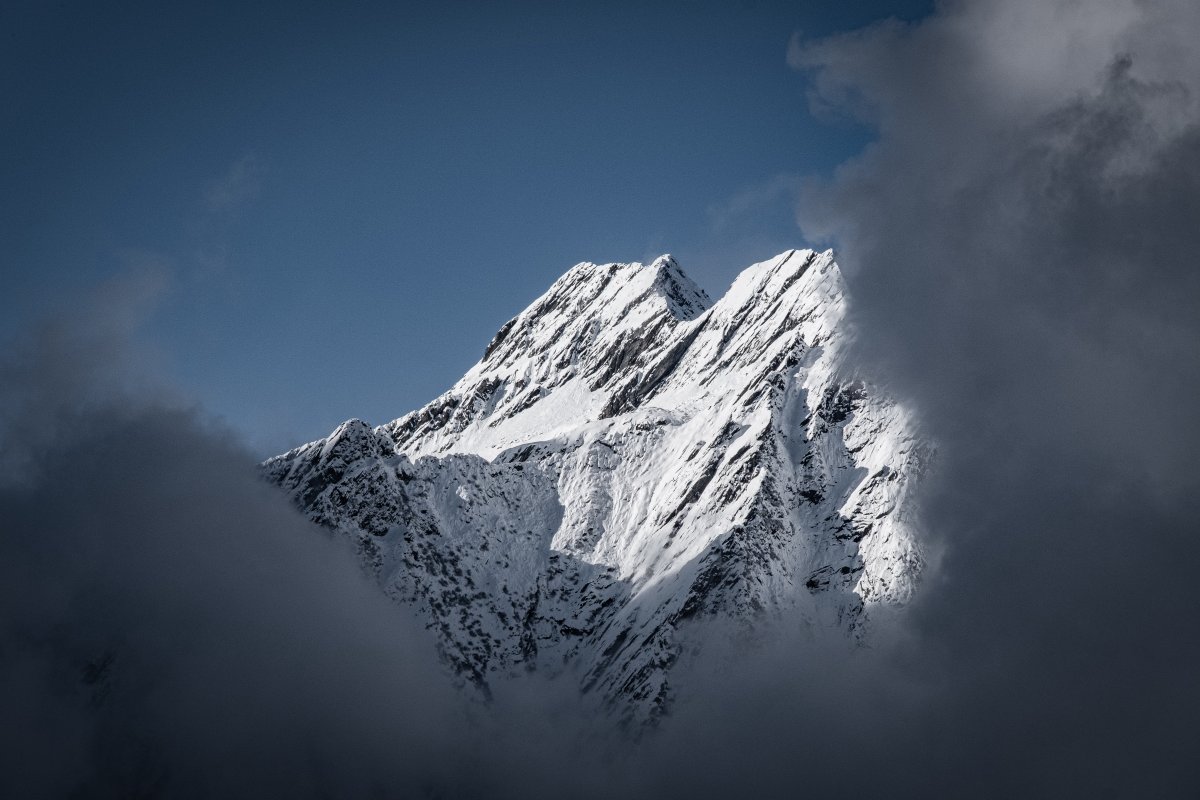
(629, 469)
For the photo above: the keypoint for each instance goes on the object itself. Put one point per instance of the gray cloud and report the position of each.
(169, 625)
(1023, 253)
(1023, 250)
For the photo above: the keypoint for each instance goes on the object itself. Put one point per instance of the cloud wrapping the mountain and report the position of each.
(1022, 246)
(170, 626)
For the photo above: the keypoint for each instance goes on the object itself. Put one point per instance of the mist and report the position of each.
(1022, 247)
(171, 627)
(1021, 244)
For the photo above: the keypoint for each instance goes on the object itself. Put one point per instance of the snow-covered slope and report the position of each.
(631, 467)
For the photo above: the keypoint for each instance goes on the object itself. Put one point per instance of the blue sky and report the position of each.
(347, 202)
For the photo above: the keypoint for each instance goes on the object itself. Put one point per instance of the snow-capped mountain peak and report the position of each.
(627, 464)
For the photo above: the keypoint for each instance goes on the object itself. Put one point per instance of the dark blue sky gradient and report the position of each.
(349, 201)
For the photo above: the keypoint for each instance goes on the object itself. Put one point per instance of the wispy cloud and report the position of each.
(239, 184)
(753, 200)
(224, 203)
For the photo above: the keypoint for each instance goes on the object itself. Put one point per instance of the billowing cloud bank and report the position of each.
(1024, 247)
(170, 626)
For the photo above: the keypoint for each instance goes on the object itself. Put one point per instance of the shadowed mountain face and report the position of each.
(630, 470)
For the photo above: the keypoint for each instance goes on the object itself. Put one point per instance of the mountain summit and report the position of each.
(628, 468)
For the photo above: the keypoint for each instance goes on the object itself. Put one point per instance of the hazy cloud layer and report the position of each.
(170, 626)
(1022, 244)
